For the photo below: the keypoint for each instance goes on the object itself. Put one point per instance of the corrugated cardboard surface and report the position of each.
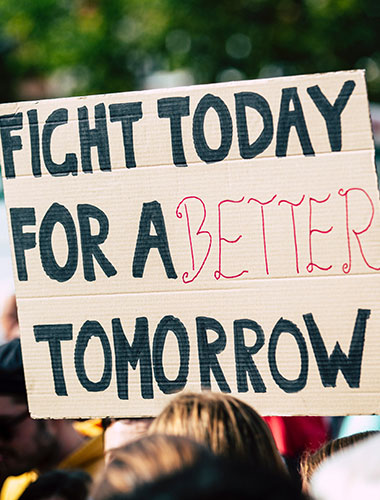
(250, 199)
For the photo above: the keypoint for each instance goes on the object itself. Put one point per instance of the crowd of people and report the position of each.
(202, 445)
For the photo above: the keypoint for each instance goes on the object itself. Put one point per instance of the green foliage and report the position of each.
(96, 46)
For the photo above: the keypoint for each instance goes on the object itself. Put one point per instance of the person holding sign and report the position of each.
(27, 446)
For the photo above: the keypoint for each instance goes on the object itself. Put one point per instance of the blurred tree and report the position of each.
(71, 47)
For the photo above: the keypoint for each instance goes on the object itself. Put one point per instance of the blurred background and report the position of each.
(56, 48)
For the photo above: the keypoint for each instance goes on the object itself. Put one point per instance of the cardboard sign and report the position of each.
(219, 236)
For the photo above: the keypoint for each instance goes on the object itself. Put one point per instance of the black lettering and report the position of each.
(260, 104)
(89, 330)
(70, 164)
(95, 137)
(289, 119)
(243, 356)
(58, 214)
(10, 142)
(22, 241)
(127, 113)
(332, 113)
(90, 242)
(174, 108)
(34, 142)
(289, 386)
(169, 323)
(203, 150)
(54, 335)
(151, 213)
(207, 352)
(350, 365)
(126, 354)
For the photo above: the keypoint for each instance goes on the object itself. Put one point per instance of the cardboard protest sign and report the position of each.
(219, 236)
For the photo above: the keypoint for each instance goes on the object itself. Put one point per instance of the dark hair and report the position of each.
(215, 478)
(12, 381)
(68, 484)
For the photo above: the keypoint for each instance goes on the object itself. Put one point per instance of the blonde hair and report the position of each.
(145, 460)
(310, 462)
(227, 426)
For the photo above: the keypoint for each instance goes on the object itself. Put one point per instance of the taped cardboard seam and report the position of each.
(252, 163)
(229, 287)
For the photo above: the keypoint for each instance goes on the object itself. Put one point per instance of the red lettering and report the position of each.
(292, 205)
(218, 273)
(311, 265)
(347, 265)
(199, 232)
(262, 203)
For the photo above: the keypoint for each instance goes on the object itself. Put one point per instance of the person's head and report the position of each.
(145, 460)
(214, 478)
(25, 443)
(121, 431)
(59, 485)
(310, 462)
(351, 473)
(227, 426)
